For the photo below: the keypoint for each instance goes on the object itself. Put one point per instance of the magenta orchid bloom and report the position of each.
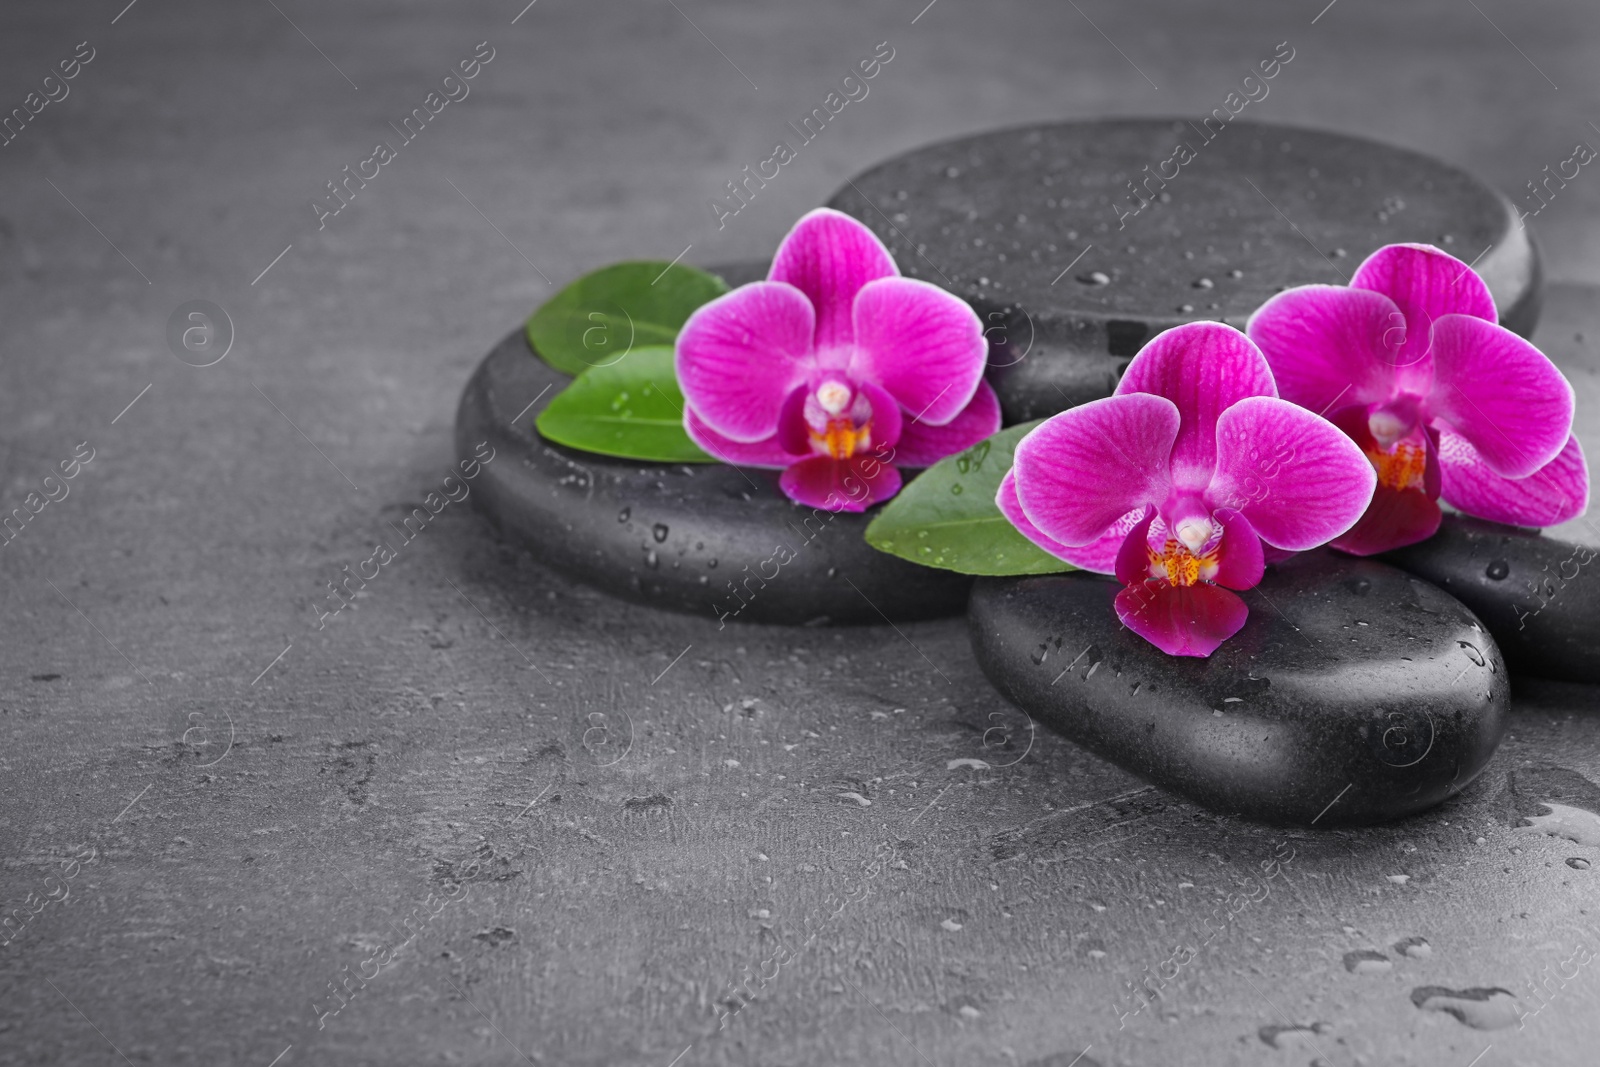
(1174, 482)
(835, 369)
(1410, 362)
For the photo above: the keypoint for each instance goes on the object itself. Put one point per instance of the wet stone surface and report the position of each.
(1355, 694)
(1538, 595)
(1039, 229)
(709, 539)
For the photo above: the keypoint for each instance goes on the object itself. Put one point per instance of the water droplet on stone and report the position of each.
(1416, 948)
(1497, 570)
(622, 516)
(1203, 283)
(1578, 863)
(1479, 1008)
(652, 560)
(659, 532)
(1367, 961)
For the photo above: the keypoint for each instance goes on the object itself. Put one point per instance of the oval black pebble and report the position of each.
(1353, 695)
(701, 538)
(1025, 224)
(1540, 597)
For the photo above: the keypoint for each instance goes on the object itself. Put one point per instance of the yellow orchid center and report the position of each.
(1401, 468)
(1174, 562)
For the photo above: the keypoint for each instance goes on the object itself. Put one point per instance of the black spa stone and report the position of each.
(1027, 225)
(707, 539)
(1539, 596)
(1354, 694)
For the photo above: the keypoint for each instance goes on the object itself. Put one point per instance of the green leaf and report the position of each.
(947, 518)
(600, 317)
(632, 409)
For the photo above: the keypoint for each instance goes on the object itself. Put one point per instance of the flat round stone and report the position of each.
(1354, 694)
(1539, 596)
(709, 539)
(1040, 228)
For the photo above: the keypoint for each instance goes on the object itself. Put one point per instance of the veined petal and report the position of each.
(922, 444)
(1424, 283)
(1329, 346)
(1011, 508)
(853, 484)
(1099, 555)
(921, 343)
(1500, 393)
(1555, 493)
(829, 256)
(1204, 368)
(888, 423)
(741, 355)
(1240, 559)
(1084, 469)
(1394, 519)
(1295, 476)
(764, 453)
(1182, 620)
(1133, 555)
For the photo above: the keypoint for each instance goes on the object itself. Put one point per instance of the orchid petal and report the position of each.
(1394, 519)
(829, 256)
(921, 343)
(1329, 346)
(1425, 283)
(764, 453)
(1182, 620)
(1099, 555)
(887, 422)
(1203, 368)
(1240, 558)
(740, 356)
(1133, 555)
(1500, 393)
(1555, 493)
(1082, 470)
(853, 484)
(1298, 480)
(922, 444)
(794, 434)
(1006, 500)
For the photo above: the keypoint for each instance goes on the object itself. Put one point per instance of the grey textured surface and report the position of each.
(378, 755)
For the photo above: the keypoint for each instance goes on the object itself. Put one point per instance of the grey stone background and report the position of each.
(647, 811)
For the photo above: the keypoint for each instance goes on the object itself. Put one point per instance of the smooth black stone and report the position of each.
(1040, 195)
(1538, 596)
(674, 536)
(1354, 694)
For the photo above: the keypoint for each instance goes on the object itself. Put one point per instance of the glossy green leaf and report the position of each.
(599, 318)
(947, 518)
(631, 408)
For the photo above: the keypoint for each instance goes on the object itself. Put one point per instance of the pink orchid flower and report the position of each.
(1411, 363)
(835, 369)
(1174, 482)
